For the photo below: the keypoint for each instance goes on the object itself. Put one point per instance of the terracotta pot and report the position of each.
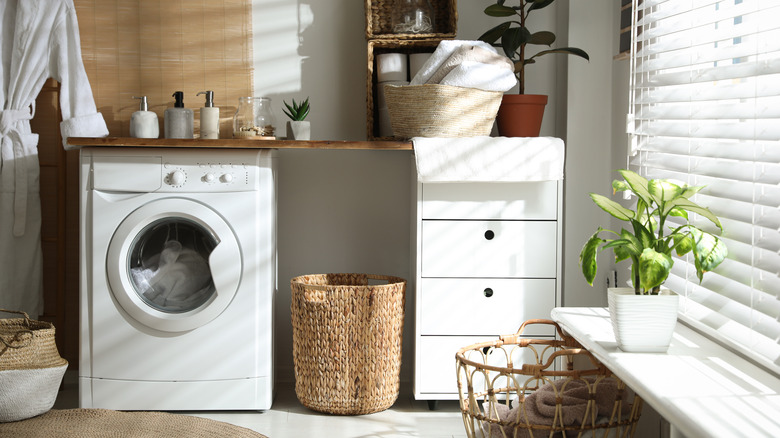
(520, 115)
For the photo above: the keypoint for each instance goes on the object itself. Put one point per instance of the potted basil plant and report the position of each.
(649, 242)
(520, 115)
(297, 127)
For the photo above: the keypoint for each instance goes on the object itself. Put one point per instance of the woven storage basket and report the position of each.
(31, 368)
(529, 387)
(379, 19)
(374, 48)
(441, 110)
(347, 341)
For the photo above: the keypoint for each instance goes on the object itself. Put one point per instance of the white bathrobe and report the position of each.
(38, 39)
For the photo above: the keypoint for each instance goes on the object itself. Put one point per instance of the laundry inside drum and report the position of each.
(168, 265)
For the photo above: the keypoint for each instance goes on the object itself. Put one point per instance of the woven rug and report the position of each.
(103, 423)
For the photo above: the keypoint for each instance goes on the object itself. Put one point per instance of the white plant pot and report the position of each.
(642, 323)
(298, 130)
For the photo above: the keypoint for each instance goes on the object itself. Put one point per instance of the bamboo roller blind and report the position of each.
(153, 48)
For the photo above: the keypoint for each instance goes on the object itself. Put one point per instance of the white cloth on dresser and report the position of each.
(488, 159)
(38, 40)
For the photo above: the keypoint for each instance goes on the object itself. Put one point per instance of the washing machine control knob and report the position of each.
(177, 177)
(226, 178)
(209, 178)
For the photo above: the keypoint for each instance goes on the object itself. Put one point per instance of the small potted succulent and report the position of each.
(520, 115)
(649, 243)
(298, 128)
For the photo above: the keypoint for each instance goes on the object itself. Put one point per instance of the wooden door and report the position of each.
(59, 228)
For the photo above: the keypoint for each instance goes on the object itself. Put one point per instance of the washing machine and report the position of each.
(178, 278)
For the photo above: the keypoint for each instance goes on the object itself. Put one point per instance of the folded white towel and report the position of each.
(488, 159)
(488, 77)
(467, 52)
(440, 55)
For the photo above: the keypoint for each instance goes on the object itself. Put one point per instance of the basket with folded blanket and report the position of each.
(535, 387)
(456, 92)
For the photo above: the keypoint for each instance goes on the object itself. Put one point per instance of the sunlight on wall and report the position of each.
(277, 26)
(316, 49)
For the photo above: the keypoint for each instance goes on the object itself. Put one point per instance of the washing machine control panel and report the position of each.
(228, 171)
(208, 176)
(179, 171)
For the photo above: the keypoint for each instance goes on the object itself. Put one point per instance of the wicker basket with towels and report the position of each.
(531, 387)
(434, 110)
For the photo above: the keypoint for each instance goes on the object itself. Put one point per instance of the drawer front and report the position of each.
(489, 249)
(436, 366)
(484, 306)
(525, 200)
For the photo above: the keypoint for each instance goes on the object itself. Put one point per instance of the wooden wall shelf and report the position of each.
(239, 143)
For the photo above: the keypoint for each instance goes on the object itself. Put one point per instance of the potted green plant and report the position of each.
(520, 115)
(649, 243)
(297, 127)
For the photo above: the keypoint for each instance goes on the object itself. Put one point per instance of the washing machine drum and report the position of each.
(174, 265)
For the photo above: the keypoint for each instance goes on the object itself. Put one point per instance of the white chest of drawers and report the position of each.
(487, 256)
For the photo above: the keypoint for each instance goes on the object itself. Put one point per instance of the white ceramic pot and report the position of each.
(299, 130)
(642, 323)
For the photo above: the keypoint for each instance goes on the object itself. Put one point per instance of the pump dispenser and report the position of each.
(178, 120)
(209, 117)
(143, 123)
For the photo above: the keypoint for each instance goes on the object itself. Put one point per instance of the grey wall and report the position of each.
(589, 148)
(349, 211)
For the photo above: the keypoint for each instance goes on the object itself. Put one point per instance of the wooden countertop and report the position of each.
(239, 143)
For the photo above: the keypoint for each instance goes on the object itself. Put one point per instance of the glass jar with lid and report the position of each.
(254, 118)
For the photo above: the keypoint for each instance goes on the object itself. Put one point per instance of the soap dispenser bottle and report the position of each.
(143, 123)
(209, 117)
(178, 120)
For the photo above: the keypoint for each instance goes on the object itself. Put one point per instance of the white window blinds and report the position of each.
(705, 110)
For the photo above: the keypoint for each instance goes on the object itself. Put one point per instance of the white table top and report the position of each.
(701, 388)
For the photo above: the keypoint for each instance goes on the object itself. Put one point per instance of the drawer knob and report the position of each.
(488, 292)
(489, 234)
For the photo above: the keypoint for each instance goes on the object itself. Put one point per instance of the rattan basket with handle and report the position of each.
(347, 332)
(27, 344)
(435, 110)
(31, 368)
(531, 387)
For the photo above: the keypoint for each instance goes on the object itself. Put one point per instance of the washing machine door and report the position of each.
(174, 264)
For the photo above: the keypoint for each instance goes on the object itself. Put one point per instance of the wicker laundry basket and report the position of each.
(347, 341)
(31, 368)
(435, 110)
(527, 387)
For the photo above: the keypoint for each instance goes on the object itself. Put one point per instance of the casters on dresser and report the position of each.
(433, 405)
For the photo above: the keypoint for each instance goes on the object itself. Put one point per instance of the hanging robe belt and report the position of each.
(9, 132)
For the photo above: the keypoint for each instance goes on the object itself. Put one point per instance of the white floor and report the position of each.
(289, 419)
